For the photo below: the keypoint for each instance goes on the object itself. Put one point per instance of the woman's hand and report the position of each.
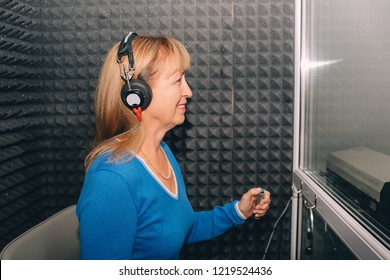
(248, 207)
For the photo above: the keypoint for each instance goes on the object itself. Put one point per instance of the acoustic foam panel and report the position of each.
(238, 131)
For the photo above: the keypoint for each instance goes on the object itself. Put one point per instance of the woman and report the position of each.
(133, 204)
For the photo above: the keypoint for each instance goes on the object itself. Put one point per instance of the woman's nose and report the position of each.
(187, 92)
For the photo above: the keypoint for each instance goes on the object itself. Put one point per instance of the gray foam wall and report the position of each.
(238, 130)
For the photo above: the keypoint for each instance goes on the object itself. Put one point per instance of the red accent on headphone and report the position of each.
(137, 111)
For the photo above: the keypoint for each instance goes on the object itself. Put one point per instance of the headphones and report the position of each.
(135, 94)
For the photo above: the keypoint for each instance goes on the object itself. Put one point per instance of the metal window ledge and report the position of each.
(361, 242)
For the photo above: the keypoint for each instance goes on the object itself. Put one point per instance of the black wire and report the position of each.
(275, 225)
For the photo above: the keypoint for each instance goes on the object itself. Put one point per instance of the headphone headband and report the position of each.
(125, 48)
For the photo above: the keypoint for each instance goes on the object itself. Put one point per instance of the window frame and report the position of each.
(305, 190)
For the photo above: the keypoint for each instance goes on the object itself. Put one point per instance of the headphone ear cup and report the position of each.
(140, 94)
(142, 87)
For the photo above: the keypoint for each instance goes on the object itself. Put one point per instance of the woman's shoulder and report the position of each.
(125, 165)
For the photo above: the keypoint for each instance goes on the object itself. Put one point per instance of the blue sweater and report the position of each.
(126, 213)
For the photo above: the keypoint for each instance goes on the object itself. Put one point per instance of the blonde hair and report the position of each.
(117, 128)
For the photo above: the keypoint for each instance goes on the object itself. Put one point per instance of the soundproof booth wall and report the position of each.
(238, 128)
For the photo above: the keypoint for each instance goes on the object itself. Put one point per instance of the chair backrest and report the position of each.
(56, 238)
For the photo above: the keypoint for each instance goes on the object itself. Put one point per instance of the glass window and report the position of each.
(345, 84)
(319, 242)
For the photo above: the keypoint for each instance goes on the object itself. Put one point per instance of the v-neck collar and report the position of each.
(155, 177)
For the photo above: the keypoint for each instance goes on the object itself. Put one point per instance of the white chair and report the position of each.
(56, 238)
